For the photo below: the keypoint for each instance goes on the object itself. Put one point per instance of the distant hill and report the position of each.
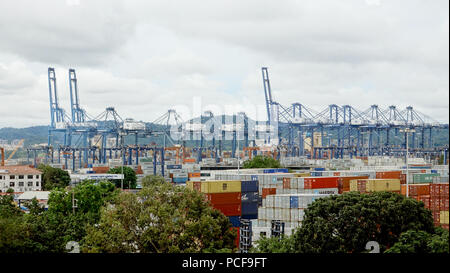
(32, 135)
(39, 134)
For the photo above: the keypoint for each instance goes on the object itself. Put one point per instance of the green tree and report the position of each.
(151, 180)
(49, 231)
(418, 241)
(345, 223)
(53, 177)
(129, 181)
(260, 161)
(8, 208)
(283, 244)
(161, 218)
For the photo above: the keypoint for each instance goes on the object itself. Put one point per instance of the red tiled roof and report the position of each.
(19, 169)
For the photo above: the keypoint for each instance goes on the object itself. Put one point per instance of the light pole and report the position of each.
(407, 131)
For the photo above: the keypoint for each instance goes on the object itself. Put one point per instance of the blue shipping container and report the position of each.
(319, 169)
(249, 208)
(282, 170)
(254, 177)
(173, 167)
(235, 220)
(249, 197)
(294, 201)
(269, 171)
(434, 171)
(249, 186)
(179, 179)
(250, 216)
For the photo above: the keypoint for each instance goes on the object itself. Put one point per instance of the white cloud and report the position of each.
(144, 57)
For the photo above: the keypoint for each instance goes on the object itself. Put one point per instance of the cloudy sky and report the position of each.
(144, 57)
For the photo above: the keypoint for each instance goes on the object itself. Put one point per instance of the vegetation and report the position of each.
(418, 241)
(50, 230)
(151, 180)
(284, 244)
(129, 181)
(261, 162)
(345, 223)
(53, 178)
(161, 218)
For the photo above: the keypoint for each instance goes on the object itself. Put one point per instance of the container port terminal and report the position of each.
(289, 131)
(337, 150)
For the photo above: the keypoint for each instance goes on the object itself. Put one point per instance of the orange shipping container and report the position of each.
(189, 160)
(416, 189)
(286, 183)
(193, 175)
(100, 169)
(388, 175)
(268, 191)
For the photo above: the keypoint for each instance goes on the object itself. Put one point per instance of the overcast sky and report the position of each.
(144, 57)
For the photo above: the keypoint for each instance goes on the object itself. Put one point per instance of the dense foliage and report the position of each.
(151, 180)
(260, 161)
(53, 178)
(345, 223)
(50, 230)
(161, 218)
(129, 181)
(418, 241)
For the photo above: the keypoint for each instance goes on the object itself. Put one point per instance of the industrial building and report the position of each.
(20, 178)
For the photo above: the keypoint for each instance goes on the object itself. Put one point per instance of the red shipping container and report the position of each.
(224, 198)
(336, 174)
(445, 226)
(286, 183)
(238, 234)
(229, 209)
(388, 175)
(437, 216)
(402, 178)
(197, 185)
(425, 199)
(434, 203)
(268, 191)
(321, 182)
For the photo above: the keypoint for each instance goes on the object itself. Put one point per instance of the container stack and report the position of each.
(249, 199)
(375, 185)
(439, 202)
(288, 208)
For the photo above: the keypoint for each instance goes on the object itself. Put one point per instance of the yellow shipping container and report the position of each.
(220, 186)
(354, 185)
(383, 185)
(377, 185)
(190, 185)
(444, 217)
(302, 174)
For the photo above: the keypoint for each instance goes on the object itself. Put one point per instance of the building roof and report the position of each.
(19, 169)
(28, 195)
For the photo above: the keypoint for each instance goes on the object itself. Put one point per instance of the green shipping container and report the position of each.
(424, 177)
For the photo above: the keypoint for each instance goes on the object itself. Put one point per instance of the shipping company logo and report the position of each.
(227, 122)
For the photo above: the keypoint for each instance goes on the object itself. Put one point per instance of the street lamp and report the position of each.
(407, 131)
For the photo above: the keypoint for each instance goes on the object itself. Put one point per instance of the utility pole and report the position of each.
(407, 131)
(238, 150)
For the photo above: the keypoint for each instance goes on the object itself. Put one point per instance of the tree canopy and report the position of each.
(345, 223)
(260, 161)
(418, 241)
(151, 180)
(129, 181)
(53, 177)
(161, 218)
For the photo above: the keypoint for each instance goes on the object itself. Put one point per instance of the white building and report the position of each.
(20, 178)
